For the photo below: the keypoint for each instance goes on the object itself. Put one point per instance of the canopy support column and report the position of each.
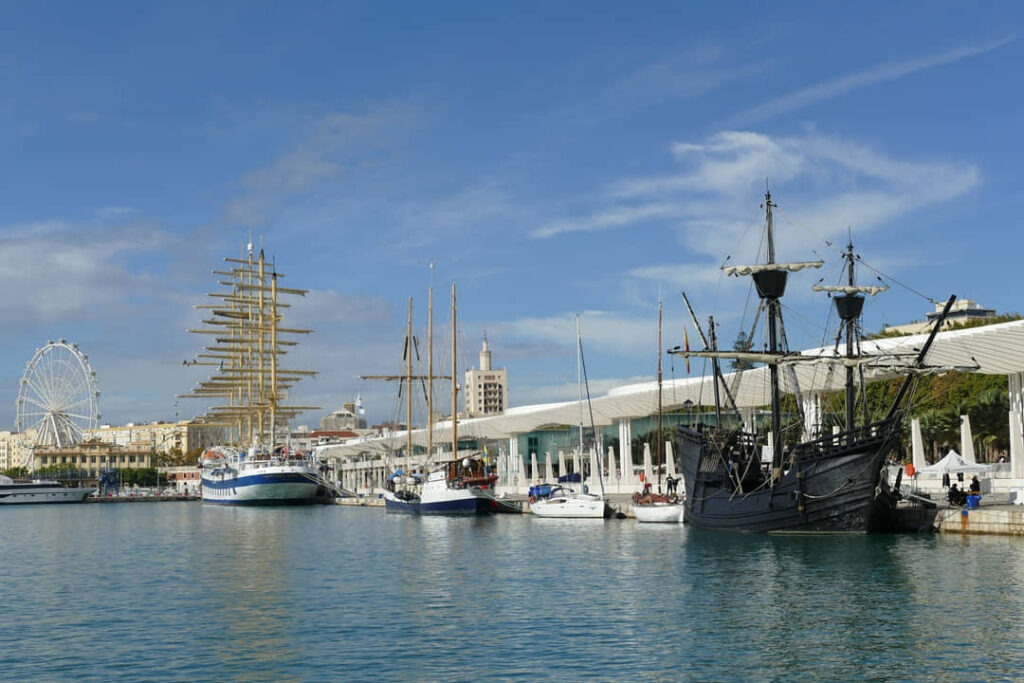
(812, 415)
(626, 450)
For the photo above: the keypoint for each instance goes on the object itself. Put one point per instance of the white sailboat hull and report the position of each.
(578, 506)
(663, 513)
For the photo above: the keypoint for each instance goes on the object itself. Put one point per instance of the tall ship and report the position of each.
(254, 466)
(832, 483)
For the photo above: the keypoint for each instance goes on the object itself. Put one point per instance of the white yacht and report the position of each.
(39, 491)
(567, 503)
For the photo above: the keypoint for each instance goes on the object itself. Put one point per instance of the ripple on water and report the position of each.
(181, 591)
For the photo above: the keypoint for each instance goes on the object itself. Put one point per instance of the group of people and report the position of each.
(958, 496)
(671, 483)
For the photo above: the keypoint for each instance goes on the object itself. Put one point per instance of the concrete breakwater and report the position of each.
(998, 519)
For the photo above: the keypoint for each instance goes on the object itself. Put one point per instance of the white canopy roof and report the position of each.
(993, 349)
(952, 463)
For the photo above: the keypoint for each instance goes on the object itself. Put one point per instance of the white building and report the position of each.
(160, 437)
(15, 448)
(486, 388)
(963, 311)
(347, 417)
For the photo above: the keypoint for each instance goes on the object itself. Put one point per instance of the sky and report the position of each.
(549, 159)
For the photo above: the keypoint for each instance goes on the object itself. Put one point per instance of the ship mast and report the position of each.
(245, 323)
(661, 444)
(430, 370)
(849, 308)
(455, 385)
(408, 388)
(579, 390)
(771, 285)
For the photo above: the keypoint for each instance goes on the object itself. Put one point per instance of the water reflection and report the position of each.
(338, 593)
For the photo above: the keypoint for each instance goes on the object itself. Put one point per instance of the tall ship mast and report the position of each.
(251, 385)
(833, 483)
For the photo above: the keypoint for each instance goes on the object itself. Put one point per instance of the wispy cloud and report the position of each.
(602, 331)
(324, 150)
(846, 84)
(710, 203)
(612, 217)
(56, 270)
(687, 75)
(476, 208)
(530, 394)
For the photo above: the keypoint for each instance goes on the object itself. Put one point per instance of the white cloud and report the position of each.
(325, 149)
(54, 270)
(713, 201)
(530, 394)
(883, 72)
(693, 72)
(477, 208)
(684, 275)
(601, 331)
(613, 217)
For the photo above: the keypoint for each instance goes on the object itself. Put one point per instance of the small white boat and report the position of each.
(39, 491)
(651, 507)
(664, 512)
(566, 503)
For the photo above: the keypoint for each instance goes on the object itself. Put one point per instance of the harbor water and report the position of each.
(183, 591)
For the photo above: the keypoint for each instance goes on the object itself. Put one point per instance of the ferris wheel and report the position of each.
(57, 397)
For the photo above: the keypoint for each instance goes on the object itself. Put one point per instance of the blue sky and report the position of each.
(549, 158)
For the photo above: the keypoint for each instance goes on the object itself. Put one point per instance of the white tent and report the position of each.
(952, 463)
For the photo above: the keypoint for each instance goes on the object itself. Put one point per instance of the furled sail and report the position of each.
(851, 289)
(789, 267)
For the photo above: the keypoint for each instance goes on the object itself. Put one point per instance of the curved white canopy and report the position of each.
(993, 349)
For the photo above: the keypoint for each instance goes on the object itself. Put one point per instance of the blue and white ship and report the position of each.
(459, 488)
(232, 479)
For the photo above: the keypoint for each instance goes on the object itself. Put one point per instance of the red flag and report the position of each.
(686, 347)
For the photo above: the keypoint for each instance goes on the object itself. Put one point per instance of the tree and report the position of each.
(741, 345)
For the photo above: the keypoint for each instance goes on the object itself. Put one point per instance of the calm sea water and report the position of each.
(182, 591)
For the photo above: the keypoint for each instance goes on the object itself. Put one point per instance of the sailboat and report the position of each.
(655, 506)
(833, 483)
(565, 502)
(248, 341)
(461, 486)
(401, 494)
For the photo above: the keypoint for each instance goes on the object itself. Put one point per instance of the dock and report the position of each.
(999, 519)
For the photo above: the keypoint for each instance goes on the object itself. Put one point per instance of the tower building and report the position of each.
(486, 388)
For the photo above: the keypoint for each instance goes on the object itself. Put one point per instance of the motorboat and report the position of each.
(39, 491)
